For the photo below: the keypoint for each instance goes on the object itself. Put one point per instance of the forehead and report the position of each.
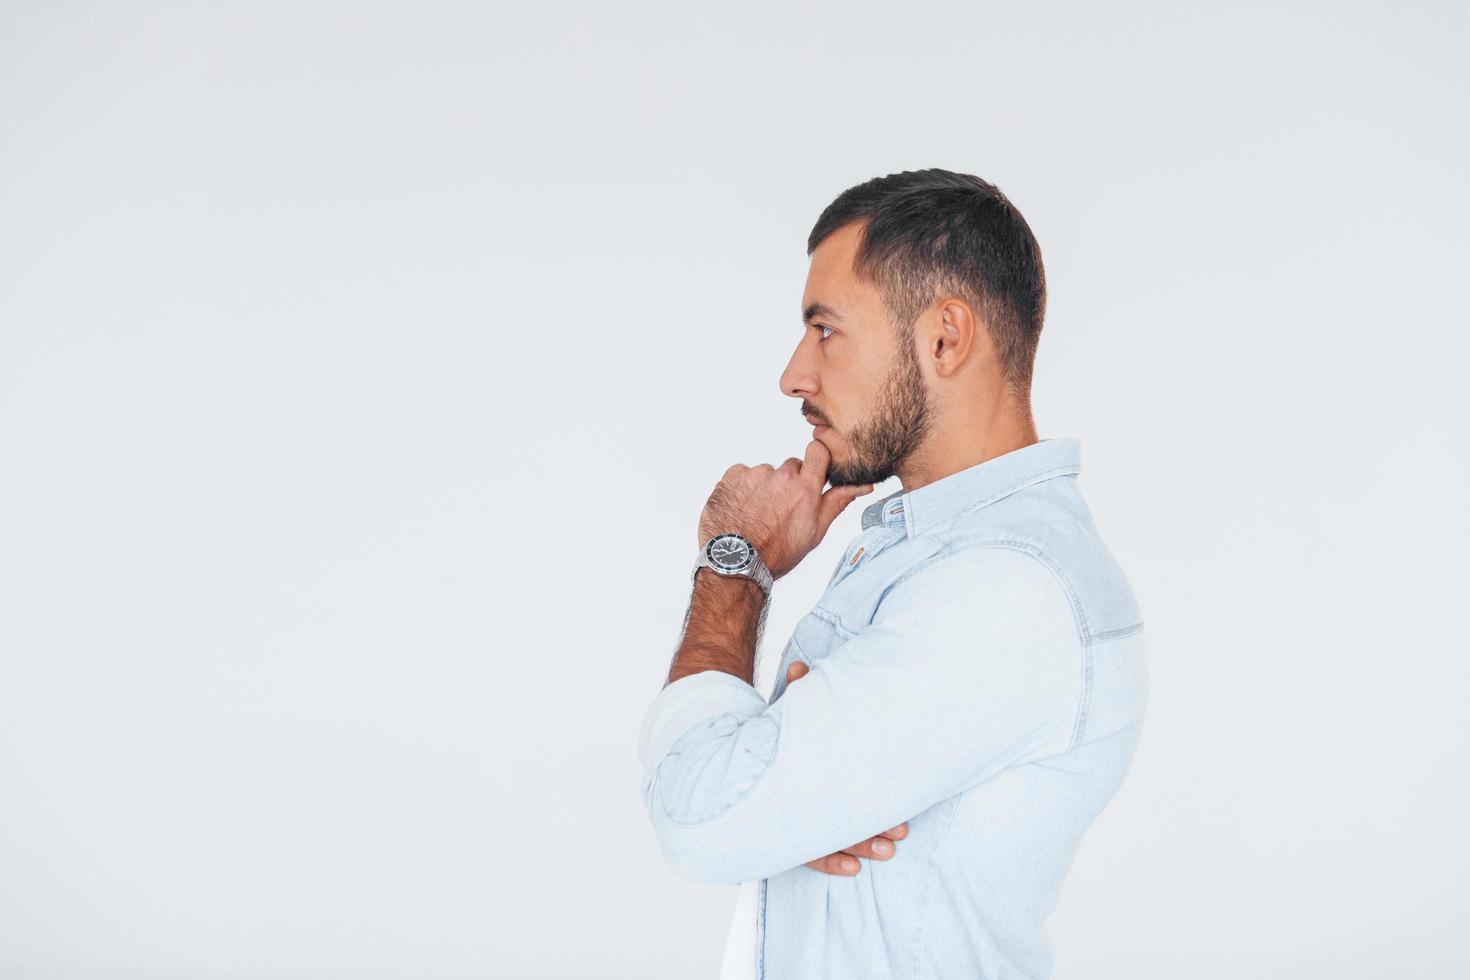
(830, 280)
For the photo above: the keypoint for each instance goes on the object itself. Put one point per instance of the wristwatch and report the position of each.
(733, 554)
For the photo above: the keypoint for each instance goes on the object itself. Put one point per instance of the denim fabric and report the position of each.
(977, 669)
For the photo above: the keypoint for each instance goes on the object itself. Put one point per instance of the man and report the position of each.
(974, 673)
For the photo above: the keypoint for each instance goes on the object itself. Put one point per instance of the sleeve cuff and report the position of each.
(687, 702)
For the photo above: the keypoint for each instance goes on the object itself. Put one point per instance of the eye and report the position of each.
(822, 326)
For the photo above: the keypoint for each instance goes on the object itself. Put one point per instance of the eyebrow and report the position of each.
(820, 310)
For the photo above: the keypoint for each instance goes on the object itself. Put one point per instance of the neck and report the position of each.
(959, 442)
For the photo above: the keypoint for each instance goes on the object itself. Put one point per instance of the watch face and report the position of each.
(729, 552)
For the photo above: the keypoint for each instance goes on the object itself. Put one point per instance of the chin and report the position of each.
(847, 475)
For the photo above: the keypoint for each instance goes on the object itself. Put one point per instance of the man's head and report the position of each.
(923, 306)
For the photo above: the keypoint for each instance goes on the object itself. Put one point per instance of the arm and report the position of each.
(972, 663)
(721, 628)
(722, 632)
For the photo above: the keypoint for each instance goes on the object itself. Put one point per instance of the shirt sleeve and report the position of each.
(972, 663)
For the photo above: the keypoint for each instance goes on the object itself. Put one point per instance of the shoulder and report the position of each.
(1052, 526)
(991, 587)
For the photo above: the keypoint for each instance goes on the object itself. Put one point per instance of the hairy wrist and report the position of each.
(722, 627)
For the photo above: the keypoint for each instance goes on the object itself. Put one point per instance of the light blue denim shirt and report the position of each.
(977, 669)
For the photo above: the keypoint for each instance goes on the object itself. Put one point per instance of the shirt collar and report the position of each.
(975, 486)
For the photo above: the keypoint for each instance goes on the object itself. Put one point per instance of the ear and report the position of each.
(957, 334)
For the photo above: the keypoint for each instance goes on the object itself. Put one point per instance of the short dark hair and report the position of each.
(933, 232)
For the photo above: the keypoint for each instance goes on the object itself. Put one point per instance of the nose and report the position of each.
(799, 380)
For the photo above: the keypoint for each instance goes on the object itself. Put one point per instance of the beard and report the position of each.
(896, 427)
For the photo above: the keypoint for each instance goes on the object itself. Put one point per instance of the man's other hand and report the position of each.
(782, 510)
(845, 861)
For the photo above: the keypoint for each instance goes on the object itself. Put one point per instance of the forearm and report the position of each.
(722, 627)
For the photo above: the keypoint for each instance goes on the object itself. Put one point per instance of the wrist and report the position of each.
(730, 554)
(729, 588)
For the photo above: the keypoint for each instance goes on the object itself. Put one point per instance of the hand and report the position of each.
(781, 509)
(833, 863)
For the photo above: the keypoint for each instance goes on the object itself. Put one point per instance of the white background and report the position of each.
(364, 368)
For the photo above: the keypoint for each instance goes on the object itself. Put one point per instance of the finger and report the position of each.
(837, 864)
(834, 500)
(879, 848)
(814, 464)
(797, 669)
(897, 833)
